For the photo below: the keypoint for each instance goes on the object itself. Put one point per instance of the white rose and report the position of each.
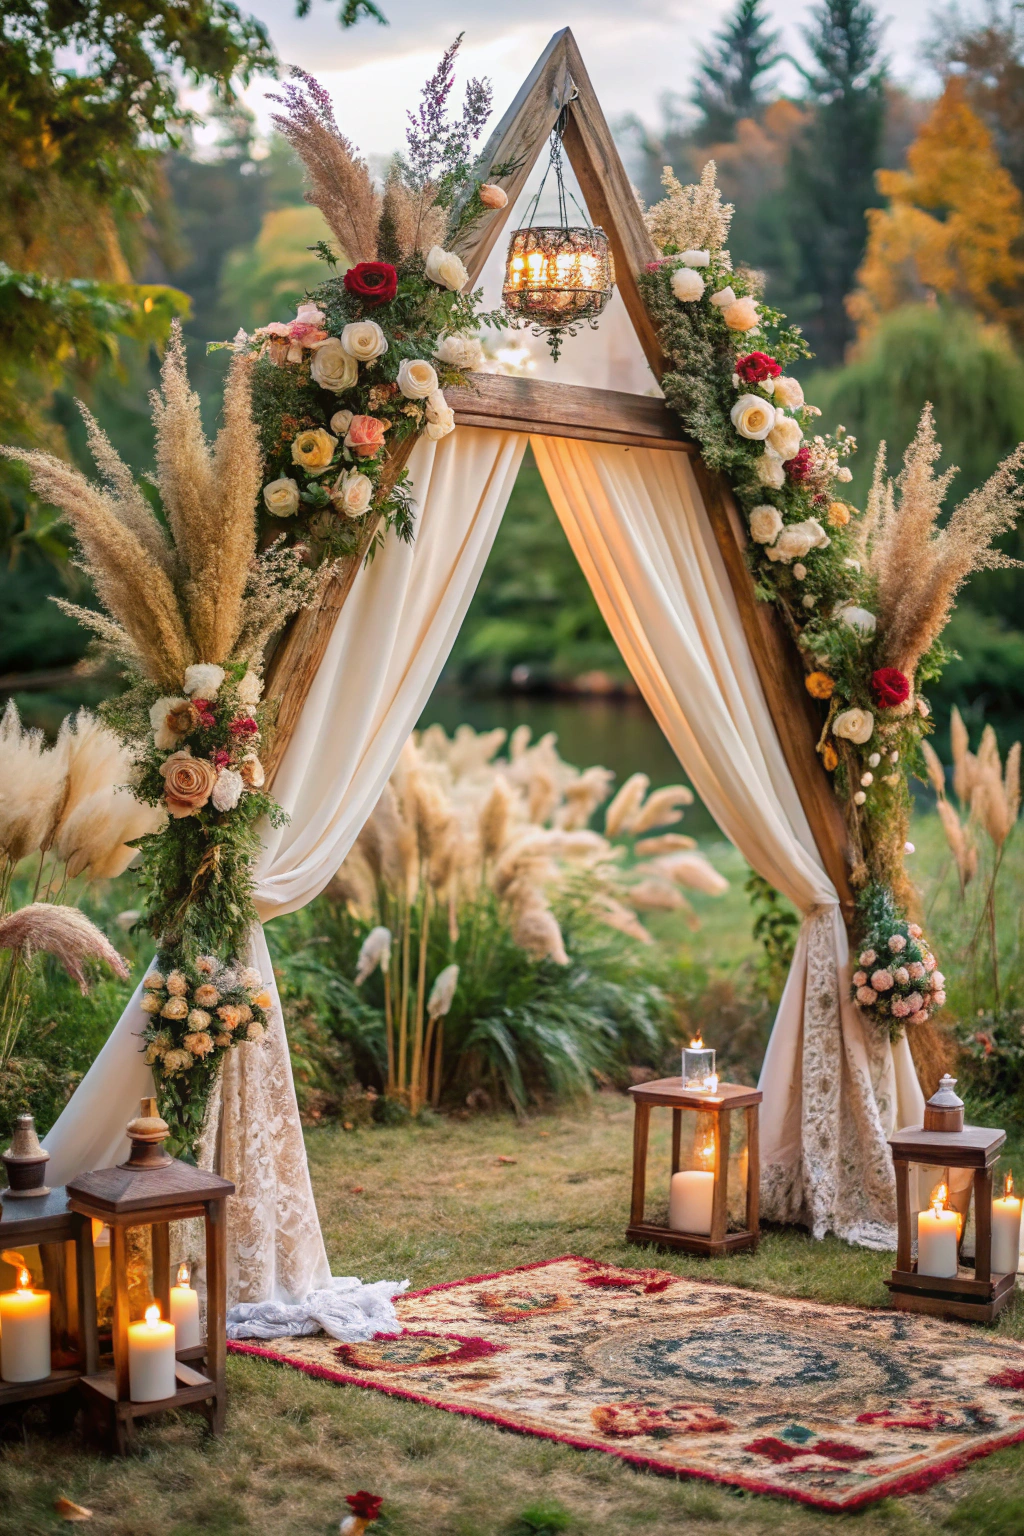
(228, 790)
(341, 421)
(203, 680)
(723, 297)
(364, 340)
(440, 423)
(860, 619)
(444, 267)
(854, 725)
(765, 524)
(769, 470)
(687, 285)
(753, 417)
(353, 493)
(332, 367)
(250, 689)
(460, 351)
(163, 737)
(281, 497)
(785, 436)
(696, 258)
(789, 393)
(416, 379)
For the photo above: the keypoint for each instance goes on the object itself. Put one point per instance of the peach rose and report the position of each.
(492, 196)
(365, 435)
(741, 315)
(188, 783)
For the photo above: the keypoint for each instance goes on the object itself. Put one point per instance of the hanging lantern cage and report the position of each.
(557, 276)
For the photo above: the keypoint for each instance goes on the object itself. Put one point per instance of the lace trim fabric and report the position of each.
(840, 1177)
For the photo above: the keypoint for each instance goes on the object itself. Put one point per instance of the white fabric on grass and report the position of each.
(346, 1309)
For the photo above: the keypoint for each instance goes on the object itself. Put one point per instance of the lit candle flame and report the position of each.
(939, 1194)
(697, 1045)
(183, 1274)
(704, 1152)
(153, 1315)
(1008, 1183)
(24, 1279)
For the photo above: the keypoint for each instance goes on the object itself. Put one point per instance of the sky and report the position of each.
(635, 51)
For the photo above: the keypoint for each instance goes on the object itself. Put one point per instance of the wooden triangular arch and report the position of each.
(559, 78)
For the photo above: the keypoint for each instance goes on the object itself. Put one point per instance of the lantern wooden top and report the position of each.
(44, 1218)
(670, 1090)
(976, 1146)
(113, 1193)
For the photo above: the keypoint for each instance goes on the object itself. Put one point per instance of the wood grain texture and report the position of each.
(568, 410)
(641, 1129)
(753, 1169)
(670, 1091)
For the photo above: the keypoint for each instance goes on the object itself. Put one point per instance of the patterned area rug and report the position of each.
(833, 1406)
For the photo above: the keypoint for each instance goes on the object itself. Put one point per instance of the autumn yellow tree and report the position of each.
(954, 224)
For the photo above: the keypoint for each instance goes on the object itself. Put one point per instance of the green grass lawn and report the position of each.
(431, 1204)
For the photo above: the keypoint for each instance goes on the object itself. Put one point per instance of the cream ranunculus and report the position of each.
(444, 267)
(696, 258)
(416, 379)
(332, 367)
(789, 393)
(460, 351)
(341, 421)
(440, 423)
(364, 340)
(353, 493)
(741, 315)
(281, 497)
(203, 680)
(314, 450)
(795, 541)
(854, 725)
(769, 470)
(765, 524)
(250, 689)
(687, 285)
(785, 436)
(753, 417)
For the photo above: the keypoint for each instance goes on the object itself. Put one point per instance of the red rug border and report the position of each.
(909, 1482)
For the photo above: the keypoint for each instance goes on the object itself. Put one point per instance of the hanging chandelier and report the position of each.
(557, 276)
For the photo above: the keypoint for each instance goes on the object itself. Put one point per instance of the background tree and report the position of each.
(988, 59)
(830, 175)
(732, 79)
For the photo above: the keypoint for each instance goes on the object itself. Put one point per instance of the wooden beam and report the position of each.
(521, 135)
(568, 410)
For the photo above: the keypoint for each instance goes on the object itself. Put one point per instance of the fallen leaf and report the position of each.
(543, 1133)
(502, 1159)
(70, 1511)
(356, 1189)
(347, 1125)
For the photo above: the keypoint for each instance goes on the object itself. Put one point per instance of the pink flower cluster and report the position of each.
(883, 985)
(285, 343)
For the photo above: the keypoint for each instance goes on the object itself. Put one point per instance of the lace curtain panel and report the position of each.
(833, 1089)
(388, 647)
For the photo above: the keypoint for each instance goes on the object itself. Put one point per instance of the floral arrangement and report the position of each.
(340, 391)
(187, 607)
(897, 982)
(865, 595)
(196, 1012)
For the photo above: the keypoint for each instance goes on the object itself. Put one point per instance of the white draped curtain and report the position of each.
(635, 520)
(834, 1089)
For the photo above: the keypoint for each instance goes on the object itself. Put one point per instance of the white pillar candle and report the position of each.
(937, 1234)
(24, 1332)
(690, 1200)
(1006, 1231)
(185, 1311)
(151, 1375)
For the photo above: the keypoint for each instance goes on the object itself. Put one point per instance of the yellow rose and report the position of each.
(313, 450)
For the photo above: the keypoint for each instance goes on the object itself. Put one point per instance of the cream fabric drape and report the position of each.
(833, 1089)
(388, 647)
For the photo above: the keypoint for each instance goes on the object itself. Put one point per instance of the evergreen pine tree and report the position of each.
(731, 77)
(830, 180)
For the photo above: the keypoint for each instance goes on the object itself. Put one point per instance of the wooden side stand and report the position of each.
(48, 1222)
(670, 1093)
(150, 1193)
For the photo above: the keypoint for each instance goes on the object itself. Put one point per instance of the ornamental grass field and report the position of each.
(435, 1203)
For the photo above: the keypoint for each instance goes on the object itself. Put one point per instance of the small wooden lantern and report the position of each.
(688, 1199)
(947, 1289)
(153, 1189)
(64, 1243)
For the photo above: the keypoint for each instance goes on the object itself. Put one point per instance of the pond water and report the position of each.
(617, 731)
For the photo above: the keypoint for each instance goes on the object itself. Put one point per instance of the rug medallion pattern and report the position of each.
(833, 1406)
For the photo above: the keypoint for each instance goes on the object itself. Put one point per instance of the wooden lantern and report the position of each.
(64, 1243)
(715, 1108)
(944, 1142)
(151, 1190)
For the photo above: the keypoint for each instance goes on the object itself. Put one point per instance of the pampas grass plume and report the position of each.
(662, 808)
(66, 933)
(620, 815)
(375, 951)
(442, 993)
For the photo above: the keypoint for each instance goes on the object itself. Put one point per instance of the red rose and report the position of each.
(756, 367)
(799, 467)
(366, 1506)
(245, 725)
(889, 687)
(375, 282)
